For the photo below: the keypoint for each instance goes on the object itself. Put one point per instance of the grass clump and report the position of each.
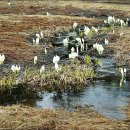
(87, 59)
(7, 83)
(71, 77)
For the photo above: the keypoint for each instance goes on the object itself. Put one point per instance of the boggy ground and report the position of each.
(15, 31)
(22, 19)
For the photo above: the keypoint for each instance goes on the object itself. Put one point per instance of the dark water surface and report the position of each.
(106, 98)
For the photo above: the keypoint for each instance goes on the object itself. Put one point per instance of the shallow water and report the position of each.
(106, 98)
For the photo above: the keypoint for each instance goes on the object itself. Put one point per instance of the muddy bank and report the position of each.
(23, 118)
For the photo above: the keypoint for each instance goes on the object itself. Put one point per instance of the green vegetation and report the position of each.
(87, 59)
(72, 76)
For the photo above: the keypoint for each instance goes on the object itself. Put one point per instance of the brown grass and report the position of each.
(23, 118)
(121, 46)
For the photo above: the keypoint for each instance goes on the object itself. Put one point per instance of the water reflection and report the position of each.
(105, 97)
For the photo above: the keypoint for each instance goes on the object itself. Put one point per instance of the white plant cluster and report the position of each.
(2, 58)
(15, 68)
(87, 30)
(42, 70)
(79, 40)
(99, 48)
(73, 54)
(35, 60)
(123, 75)
(106, 42)
(39, 36)
(56, 59)
(112, 21)
(123, 71)
(66, 42)
(75, 25)
(94, 29)
(80, 43)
